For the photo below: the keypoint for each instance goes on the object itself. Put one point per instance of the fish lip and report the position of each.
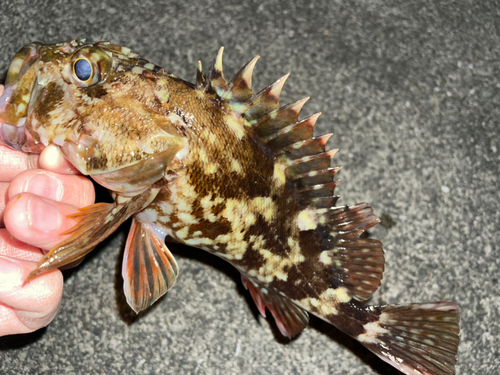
(7, 92)
(18, 138)
(13, 136)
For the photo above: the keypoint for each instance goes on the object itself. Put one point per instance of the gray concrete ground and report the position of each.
(410, 90)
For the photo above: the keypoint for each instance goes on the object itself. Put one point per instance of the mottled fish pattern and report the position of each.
(215, 166)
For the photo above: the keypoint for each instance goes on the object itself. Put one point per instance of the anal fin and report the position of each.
(290, 318)
(149, 269)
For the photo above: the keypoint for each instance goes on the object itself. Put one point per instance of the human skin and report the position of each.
(37, 193)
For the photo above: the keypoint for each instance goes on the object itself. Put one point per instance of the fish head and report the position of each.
(41, 91)
(104, 107)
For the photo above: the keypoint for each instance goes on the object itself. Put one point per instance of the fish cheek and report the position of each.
(51, 97)
(95, 92)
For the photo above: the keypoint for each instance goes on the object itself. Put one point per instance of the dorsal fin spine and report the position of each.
(200, 80)
(215, 82)
(279, 118)
(264, 102)
(310, 162)
(293, 133)
(311, 146)
(241, 84)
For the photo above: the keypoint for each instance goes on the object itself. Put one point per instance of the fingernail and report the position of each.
(43, 216)
(44, 185)
(51, 157)
(10, 272)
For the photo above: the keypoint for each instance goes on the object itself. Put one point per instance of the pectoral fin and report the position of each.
(289, 318)
(149, 269)
(94, 224)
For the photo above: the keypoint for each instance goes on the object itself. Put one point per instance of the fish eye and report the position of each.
(89, 66)
(83, 70)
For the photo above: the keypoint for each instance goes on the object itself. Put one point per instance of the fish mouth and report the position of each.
(16, 101)
(13, 136)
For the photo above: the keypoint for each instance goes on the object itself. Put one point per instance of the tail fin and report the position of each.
(417, 339)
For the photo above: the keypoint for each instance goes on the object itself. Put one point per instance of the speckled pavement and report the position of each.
(410, 91)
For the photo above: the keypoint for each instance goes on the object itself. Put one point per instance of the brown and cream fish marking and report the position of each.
(215, 166)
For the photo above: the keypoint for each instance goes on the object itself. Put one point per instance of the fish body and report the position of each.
(215, 166)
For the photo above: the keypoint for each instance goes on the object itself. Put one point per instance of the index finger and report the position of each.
(13, 162)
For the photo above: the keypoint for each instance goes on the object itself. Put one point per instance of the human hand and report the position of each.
(34, 205)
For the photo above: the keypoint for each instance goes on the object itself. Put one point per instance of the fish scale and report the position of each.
(215, 166)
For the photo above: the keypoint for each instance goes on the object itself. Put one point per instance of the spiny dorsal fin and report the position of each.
(238, 94)
(357, 263)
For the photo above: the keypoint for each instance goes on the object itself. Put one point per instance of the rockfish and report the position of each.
(215, 166)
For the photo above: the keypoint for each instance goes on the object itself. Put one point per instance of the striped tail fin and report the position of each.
(417, 339)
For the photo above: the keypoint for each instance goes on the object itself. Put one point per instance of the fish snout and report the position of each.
(15, 97)
(22, 61)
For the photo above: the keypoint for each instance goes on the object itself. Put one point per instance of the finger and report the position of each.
(3, 200)
(66, 188)
(32, 306)
(53, 160)
(13, 162)
(38, 221)
(13, 248)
